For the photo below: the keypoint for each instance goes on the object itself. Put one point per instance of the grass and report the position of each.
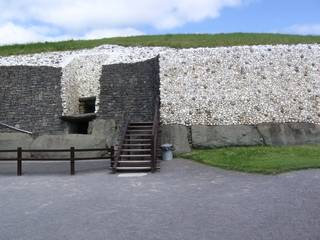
(169, 40)
(261, 159)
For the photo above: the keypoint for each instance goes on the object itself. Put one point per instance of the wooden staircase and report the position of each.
(139, 146)
(136, 151)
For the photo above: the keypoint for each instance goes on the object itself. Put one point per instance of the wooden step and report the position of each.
(134, 161)
(135, 155)
(136, 150)
(136, 145)
(138, 135)
(133, 168)
(139, 130)
(138, 140)
(140, 127)
(140, 123)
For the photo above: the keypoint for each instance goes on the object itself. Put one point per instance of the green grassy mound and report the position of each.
(171, 40)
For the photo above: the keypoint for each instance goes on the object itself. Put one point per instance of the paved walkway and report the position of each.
(185, 201)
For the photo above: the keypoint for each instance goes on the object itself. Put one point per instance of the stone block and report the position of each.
(225, 136)
(104, 129)
(12, 141)
(278, 134)
(65, 142)
(176, 135)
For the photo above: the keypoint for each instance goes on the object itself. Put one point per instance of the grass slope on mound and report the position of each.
(261, 159)
(170, 40)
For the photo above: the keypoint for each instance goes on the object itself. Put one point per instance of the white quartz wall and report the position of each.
(80, 79)
(206, 86)
(240, 85)
(81, 76)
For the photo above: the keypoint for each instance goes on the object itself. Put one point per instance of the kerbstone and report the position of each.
(289, 133)
(102, 128)
(176, 135)
(11, 141)
(224, 136)
(65, 142)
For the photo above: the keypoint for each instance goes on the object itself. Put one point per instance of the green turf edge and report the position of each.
(167, 40)
(260, 160)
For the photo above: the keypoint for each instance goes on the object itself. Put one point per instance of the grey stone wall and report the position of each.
(102, 134)
(269, 134)
(129, 88)
(30, 98)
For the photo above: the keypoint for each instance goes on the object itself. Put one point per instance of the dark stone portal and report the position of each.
(130, 88)
(30, 98)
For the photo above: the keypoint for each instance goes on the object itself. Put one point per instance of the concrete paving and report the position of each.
(185, 200)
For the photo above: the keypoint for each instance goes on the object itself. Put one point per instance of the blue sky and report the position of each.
(283, 16)
(46, 20)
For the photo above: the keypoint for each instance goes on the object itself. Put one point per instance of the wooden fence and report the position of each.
(72, 157)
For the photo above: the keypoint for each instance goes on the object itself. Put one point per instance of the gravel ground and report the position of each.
(185, 200)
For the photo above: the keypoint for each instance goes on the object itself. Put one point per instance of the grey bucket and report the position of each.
(167, 151)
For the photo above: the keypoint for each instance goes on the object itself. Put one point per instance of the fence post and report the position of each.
(19, 161)
(72, 161)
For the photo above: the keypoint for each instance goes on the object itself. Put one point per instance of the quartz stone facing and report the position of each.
(240, 85)
(243, 85)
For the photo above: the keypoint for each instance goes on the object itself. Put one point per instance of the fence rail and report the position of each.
(72, 157)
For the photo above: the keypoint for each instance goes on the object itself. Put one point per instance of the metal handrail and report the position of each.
(14, 128)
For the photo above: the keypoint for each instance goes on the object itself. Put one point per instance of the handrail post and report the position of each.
(152, 154)
(72, 161)
(154, 141)
(116, 158)
(19, 161)
(112, 156)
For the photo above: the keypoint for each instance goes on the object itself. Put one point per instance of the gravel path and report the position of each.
(185, 200)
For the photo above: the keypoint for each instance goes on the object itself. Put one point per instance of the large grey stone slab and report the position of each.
(106, 129)
(10, 141)
(224, 136)
(289, 133)
(66, 141)
(176, 135)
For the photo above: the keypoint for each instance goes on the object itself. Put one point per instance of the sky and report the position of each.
(24, 21)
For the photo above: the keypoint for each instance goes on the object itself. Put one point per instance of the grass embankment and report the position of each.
(170, 40)
(264, 160)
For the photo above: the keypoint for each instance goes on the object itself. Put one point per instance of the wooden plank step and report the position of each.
(136, 145)
(134, 161)
(133, 168)
(139, 130)
(138, 140)
(136, 150)
(138, 135)
(140, 123)
(136, 155)
(141, 127)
